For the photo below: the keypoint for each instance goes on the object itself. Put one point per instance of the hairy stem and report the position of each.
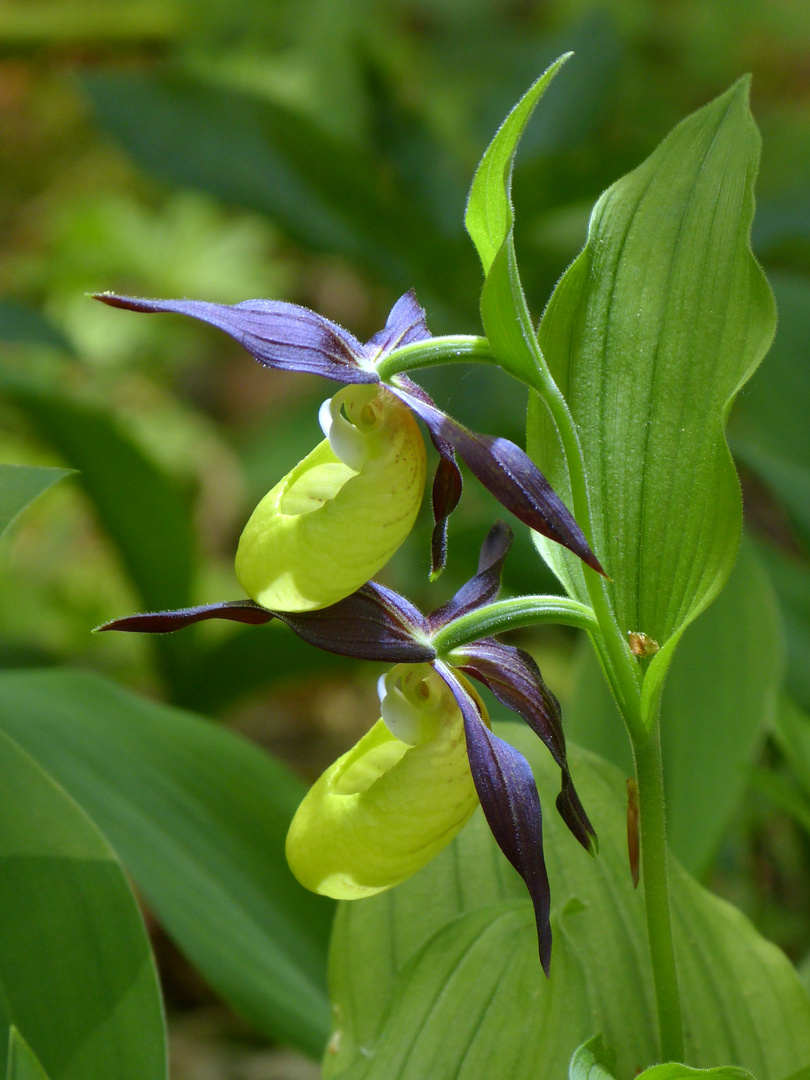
(453, 349)
(509, 615)
(655, 880)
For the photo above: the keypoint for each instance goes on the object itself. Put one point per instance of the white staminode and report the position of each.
(348, 444)
(410, 701)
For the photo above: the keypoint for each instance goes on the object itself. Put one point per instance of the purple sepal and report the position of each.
(511, 805)
(406, 324)
(373, 623)
(165, 622)
(509, 473)
(447, 482)
(277, 334)
(485, 586)
(515, 680)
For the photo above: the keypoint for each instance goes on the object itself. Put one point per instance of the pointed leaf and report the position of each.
(199, 818)
(76, 972)
(20, 485)
(22, 1061)
(490, 222)
(649, 335)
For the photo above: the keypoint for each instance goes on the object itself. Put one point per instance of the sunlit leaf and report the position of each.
(454, 940)
(649, 335)
(199, 817)
(76, 973)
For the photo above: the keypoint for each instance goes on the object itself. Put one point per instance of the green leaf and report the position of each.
(20, 485)
(792, 732)
(649, 335)
(457, 939)
(76, 973)
(24, 325)
(719, 699)
(490, 221)
(325, 192)
(199, 818)
(591, 1062)
(770, 431)
(22, 1061)
(139, 505)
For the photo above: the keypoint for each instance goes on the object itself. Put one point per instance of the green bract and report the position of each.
(390, 804)
(342, 512)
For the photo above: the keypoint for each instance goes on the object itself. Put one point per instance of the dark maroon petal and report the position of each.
(447, 483)
(510, 474)
(373, 623)
(485, 586)
(164, 622)
(277, 334)
(515, 680)
(406, 324)
(511, 805)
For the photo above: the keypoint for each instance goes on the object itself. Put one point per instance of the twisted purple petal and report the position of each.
(515, 680)
(277, 334)
(508, 472)
(165, 622)
(511, 805)
(485, 586)
(373, 623)
(406, 324)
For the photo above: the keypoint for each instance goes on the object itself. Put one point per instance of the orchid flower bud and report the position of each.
(343, 511)
(390, 804)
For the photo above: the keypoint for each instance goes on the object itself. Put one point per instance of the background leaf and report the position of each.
(199, 818)
(719, 700)
(22, 1061)
(649, 335)
(20, 485)
(591, 1062)
(76, 970)
(393, 954)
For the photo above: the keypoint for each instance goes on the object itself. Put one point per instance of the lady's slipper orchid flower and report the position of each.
(373, 819)
(282, 335)
(405, 784)
(343, 511)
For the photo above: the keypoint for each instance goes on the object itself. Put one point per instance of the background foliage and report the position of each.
(321, 152)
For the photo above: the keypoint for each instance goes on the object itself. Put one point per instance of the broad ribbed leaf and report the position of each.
(454, 941)
(649, 335)
(76, 973)
(720, 697)
(199, 817)
(20, 485)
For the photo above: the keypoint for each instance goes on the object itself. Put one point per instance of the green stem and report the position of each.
(455, 348)
(509, 615)
(621, 668)
(655, 879)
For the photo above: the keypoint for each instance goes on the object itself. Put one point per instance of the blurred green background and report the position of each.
(320, 151)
